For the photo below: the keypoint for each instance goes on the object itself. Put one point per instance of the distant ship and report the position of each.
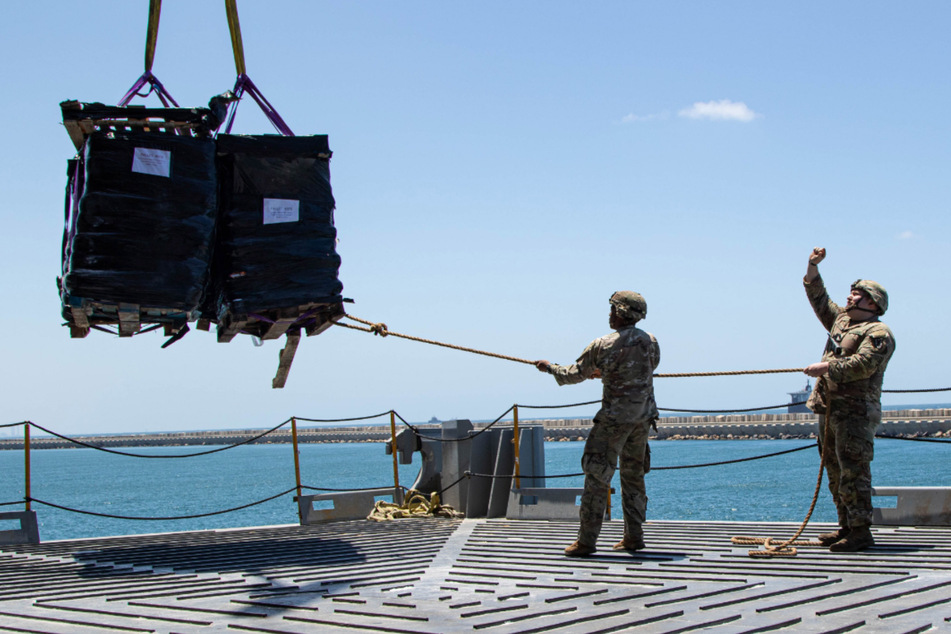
(797, 400)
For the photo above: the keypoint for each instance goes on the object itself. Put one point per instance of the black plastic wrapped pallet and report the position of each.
(276, 238)
(144, 228)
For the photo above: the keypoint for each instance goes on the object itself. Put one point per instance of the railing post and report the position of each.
(396, 471)
(296, 466)
(26, 461)
(518, 481)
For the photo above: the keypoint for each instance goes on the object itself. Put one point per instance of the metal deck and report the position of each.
(436, 575)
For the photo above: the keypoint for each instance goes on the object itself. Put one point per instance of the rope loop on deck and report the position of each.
(785, 549)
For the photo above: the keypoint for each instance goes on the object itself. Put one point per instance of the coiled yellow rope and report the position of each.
(415, 504)
(381, 329)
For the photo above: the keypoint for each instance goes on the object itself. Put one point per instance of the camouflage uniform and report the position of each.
(848, 401)
(626, 359)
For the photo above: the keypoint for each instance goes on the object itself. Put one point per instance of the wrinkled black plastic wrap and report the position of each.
(272, 266)
(141, 238)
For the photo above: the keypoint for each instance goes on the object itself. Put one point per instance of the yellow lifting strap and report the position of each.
(234, 26)
(155, 8)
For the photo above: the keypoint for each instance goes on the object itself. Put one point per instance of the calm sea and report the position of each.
(772, 489)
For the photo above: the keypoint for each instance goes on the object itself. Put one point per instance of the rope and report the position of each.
(935, 389)
(139, 455)
(381, 329)
(678, 375)
(342, 420)
(728, 411)
(386, 486)
(178, 517)
(415, 504)
(783, 549)
(458, 480)
(559, 406)
(686, 466)
(734, 461)
(667, 409)
(492, 476)
(470, 437)
(25, 422)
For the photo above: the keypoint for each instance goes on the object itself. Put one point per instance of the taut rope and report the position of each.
(379, 328)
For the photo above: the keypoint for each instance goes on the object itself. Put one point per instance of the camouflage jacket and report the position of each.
(857, 352)
(626, 359)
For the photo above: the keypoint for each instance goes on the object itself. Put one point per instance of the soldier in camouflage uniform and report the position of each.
(624, 361)
(847, 397)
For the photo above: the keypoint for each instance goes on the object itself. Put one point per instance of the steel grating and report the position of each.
(494, 576)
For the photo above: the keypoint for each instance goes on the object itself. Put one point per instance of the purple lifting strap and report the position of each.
(243, 84)
(154, 86)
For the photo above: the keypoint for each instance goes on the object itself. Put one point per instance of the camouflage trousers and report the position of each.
(607, 443)
(846, 443)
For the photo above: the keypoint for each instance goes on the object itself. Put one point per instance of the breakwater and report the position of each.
(904, 423)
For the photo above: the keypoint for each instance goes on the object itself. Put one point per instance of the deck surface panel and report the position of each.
(495, 576)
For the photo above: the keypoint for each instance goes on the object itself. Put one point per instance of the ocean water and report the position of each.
(779, 488)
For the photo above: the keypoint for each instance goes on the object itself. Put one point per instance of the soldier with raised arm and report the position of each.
(624, 361)
(847, 398)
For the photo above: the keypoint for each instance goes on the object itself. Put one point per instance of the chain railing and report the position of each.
(393, 416)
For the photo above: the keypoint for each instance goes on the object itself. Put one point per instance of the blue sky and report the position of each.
(500, 168)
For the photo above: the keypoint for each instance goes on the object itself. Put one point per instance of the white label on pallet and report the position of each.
(149, 161)
(281, 210)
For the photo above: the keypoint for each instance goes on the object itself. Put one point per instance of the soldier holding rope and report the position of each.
(847, 398)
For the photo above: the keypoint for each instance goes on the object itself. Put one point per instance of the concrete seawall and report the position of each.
(915, 422)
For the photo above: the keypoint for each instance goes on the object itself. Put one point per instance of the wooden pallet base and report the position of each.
(313, 318)
(83, 314)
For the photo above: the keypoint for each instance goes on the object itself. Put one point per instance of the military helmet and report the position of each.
(875, 291)
(629, 305)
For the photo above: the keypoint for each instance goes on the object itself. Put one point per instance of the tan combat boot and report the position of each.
(578, 549)
(827, 539)
(632, 541)
(630, 544)
(859, 538)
